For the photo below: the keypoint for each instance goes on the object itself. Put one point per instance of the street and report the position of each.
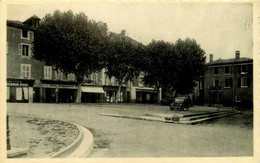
(119, 137)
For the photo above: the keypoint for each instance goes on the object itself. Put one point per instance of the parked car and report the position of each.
(180, 103)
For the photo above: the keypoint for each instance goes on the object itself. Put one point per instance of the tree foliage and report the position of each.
(192, 61)
(174, 66)
(161, 65)
(71, 42)
(124, 59)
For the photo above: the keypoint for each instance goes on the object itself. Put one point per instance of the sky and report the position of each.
(220, 29)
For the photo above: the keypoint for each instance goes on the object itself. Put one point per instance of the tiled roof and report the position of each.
(128, 38)
(34, 17)
(18, 24)
(230, 61)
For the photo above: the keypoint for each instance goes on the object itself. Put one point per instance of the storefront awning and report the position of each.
(92, 89)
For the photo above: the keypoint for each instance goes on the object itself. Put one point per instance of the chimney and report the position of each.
(211, 58)
(123, 33)
(237, 54)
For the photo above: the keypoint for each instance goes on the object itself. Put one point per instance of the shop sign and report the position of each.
(17, 84)
(58, 86)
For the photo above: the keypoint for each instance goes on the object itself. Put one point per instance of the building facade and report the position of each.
(229, 82)
(22, 71)
(30, 80)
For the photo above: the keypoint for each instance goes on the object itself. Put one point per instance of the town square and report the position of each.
(129, 80)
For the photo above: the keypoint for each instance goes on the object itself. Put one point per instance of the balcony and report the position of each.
(215, 88)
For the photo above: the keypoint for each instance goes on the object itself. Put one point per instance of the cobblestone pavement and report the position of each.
(118, 137)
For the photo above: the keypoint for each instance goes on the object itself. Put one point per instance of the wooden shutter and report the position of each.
(30, 51)
(20, 49)
(239, 82)
(248, 82)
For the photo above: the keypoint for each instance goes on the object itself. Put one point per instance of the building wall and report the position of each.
(14, 60)
(227, 96)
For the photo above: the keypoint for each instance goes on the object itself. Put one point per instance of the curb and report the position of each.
(15, 152)
(80, 148)
(147, 118)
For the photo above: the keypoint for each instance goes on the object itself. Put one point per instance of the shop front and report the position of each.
(92, 94)
(146, 96)
(111, 93)
(19, 90)
(57, 92)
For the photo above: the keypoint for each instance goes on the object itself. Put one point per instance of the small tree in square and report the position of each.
(72, 44)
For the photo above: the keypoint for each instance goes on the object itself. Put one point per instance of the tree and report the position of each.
(124, 59)
(192, 64)
(174, 67)
(161, 64)
(72, 44)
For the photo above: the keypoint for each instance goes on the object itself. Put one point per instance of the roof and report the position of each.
(230, 61)
(112, 34)
(34, 17)
(24, 25)
(18, 24)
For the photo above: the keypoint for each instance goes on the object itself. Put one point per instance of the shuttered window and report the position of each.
(26, 71)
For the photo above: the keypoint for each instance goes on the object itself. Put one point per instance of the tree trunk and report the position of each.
(118, 92)
(158, 96)
(78, 99)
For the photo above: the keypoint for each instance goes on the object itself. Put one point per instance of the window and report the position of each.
(24, 50)
(25, 33)
(26, 70)
(243, 69)
(216, 70)
(47, 72)
(108, 81)
(244, 82)
(19, 93)
(228, 83)
(71, 76)
(58, 75)
(237, 98)
(94, 78)
(227, 70)
(216, 82)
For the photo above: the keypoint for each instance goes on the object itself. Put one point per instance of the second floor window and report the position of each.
(24, 50)
(25, 33)
(71, 76)
(94, 78)
(215, 82)
(58, 75)
(47, 72)
(243, 69)
(244, 82)
(228, 83)
(227, 70)
(216, 70)
(26, 71)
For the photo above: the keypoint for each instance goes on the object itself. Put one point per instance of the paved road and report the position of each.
(138, 138)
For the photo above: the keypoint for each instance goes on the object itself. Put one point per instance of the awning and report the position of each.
(92, 89)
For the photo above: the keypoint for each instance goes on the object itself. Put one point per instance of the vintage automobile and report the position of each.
(180, 103)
